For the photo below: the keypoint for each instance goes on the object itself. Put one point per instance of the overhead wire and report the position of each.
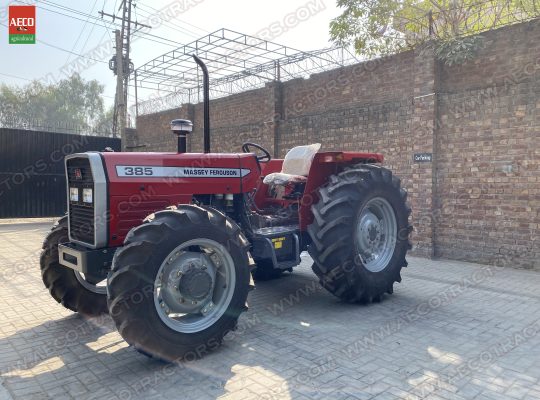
(154, 11)
(62, 49)
(183, 21)
(137, 33)
(141, 34)
(167, 24)
(16, 77)
(81, 32)
(90, 34)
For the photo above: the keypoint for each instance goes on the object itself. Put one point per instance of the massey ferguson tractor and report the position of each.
(167, 243)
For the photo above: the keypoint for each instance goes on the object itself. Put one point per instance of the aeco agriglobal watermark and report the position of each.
(22, 24)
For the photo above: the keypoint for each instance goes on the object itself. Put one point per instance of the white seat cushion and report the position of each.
(279, 178)
(295, 167)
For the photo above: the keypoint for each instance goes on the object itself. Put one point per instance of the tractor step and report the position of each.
(274, 219)
(278, 244)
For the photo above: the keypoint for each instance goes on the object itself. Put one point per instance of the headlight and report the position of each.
(87, 195)
(73, 194)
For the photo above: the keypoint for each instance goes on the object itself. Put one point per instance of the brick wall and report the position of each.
(479, 199)
(488, 152)
(236, 119)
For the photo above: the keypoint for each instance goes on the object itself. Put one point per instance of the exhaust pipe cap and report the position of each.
(181, 126)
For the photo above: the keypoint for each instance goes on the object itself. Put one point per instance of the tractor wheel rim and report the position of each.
(99, 288)
(376, 234)
(193, 289)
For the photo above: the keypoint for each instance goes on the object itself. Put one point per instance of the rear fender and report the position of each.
(326, 164)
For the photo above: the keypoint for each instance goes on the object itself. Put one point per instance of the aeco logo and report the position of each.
(22, 24)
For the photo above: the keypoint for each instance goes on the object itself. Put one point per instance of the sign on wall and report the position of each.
(423, 157)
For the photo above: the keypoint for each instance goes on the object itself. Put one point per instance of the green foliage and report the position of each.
(381, 27)
(105, 122)
(71, 102)
(458, 50)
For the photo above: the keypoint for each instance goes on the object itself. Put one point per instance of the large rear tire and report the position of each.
(180, 282)
(360, 233)
(67, 286)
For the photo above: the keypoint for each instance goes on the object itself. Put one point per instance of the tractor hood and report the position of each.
(202, 172)
(109, 193)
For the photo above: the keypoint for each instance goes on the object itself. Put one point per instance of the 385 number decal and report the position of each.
(134, 171)
(138, 171)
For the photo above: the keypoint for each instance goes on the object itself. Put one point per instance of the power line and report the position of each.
(99, 41)
(65, 50)
(184, 22)
(113, 16)
(17, 77)
(170, 25)
(96, 19)
(156, 38)
(121, 65)
(139, 32)
(90, 34)
(72, 52)
(68, 9)
(81, 32)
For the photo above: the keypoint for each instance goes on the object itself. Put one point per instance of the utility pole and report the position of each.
(122, 66)
(121, 94)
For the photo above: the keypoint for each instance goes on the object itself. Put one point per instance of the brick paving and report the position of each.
(450, 331)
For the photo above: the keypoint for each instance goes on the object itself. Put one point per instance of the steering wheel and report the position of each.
(264, 158)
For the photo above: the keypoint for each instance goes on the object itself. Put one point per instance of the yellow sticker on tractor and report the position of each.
(278, 242)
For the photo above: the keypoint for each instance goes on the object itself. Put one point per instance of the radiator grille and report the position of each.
(81, 215)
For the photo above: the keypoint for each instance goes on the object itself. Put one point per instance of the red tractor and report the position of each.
(167, 243)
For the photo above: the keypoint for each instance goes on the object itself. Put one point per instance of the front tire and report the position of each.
(67, 286)
(360, 233)
(180, 282)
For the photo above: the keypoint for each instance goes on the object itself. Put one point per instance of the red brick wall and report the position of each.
(370, 107)
(233, 120)
(479, 200)
(236, 119)
(153, 132)
(372, 82)
(488, 153)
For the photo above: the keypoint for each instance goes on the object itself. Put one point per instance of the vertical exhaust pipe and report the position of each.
(206, 94)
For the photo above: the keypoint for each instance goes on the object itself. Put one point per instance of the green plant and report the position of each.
(381, 27)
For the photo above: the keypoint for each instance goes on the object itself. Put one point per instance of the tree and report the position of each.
(105, 122)
(72, 105)
(382, 27)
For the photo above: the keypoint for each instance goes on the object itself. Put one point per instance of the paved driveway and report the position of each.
(450, 331)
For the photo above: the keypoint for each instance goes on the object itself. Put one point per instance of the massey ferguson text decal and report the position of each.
(133, 171)
(22, 24)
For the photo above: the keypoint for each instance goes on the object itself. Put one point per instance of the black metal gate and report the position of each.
(32, 181)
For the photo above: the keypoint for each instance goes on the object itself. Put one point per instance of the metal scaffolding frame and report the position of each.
(236, 63)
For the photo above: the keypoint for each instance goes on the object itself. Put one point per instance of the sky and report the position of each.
(59, 27)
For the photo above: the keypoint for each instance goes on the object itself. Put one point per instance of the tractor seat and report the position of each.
(295, 166)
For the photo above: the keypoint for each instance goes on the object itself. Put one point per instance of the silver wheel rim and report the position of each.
(376, 233)
(194, 285)
(99, 288)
